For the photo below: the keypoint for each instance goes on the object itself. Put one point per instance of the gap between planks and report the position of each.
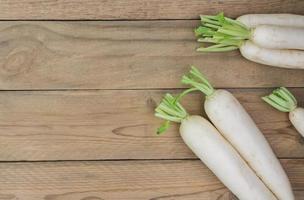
(121, 160)
(140, 89)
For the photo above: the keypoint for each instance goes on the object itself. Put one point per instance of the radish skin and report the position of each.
(292, 59)
(253, 20)
(235, 124)
(214, 150)
(283, 100)
(222, 159)
(278, 37)
(297, 119)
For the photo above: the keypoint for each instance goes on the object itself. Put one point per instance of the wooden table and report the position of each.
(77, 98)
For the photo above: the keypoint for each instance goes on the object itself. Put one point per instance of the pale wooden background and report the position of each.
(77, 98)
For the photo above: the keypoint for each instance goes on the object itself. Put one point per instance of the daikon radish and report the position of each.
(214, 150)
(265, 44)
(235, 124)
(222, 30)
(283, 100)
(253, 20)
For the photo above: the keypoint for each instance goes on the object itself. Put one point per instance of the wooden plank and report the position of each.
(81, 125)
(120, 55)
(139, 9)
(179, 180)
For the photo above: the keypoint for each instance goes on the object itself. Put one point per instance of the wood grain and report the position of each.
(139, 9)
(120, 55)
(134, 63)
(82, 125)
(151, 180)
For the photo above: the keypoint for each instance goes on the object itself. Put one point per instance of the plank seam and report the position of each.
(121, 160)
(98, 20)
(134, 89)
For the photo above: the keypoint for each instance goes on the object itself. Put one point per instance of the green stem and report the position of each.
(181, 95)
(212, 26)
(198, 81)
(211, 21)
(170, 110)
(281, 99)
(232, 21)
(234, 34)
(209, 40)
(217, 49)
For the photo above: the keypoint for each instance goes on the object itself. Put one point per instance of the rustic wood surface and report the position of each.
(95, 180)
(139, 9)
(119, 124)
(77, 98)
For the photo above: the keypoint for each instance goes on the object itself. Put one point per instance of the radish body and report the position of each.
(296, 117)
(222, 159)
(253, 20)
(278, 37)
(293, 59)
(231, 119)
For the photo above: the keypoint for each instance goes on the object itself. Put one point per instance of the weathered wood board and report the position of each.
(139, 9)
(120, 55)
(117, 125)
(95, 180)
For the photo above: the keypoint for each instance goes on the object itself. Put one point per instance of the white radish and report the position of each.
(267, 44)
(235, 124)
(214, 150)
(283, 100)
(292, 59)
(253, 20)
(278, 37)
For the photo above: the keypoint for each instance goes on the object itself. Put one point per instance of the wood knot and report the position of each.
(19, 60)
(151, 103)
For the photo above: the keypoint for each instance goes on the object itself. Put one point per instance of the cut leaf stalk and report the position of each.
(226, 34)
(283, 100)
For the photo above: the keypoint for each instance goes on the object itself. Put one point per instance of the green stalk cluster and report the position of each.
(198, 82)
(224, 33)
(281, 99)
(171, 110)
